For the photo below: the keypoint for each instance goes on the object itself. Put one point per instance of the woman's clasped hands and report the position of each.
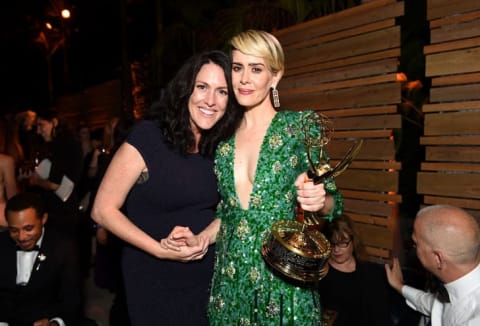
(184, 245)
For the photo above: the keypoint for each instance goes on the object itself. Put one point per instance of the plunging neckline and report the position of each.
(259, 161)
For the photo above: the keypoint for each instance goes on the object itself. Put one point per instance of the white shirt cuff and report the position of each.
(58, 320)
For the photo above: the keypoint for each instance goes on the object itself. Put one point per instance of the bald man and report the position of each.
(447, 241)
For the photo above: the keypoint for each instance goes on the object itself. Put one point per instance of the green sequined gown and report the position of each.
(244, 291)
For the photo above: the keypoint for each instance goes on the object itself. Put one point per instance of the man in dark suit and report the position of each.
(39, 278)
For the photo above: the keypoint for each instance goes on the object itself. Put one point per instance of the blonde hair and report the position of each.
(261, 44)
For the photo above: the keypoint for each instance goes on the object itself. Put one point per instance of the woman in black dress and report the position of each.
(355, 292)
(163, 176)
(57, 176)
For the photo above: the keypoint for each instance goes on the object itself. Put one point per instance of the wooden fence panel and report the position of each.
(453, 123)
(451, 171)
(452, 153)
(444, 8)
(345, 66)
(332, 99)
(460, 30)
(95, 105)
(453, 62)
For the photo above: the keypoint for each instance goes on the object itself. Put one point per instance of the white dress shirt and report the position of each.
(25, 262)
(463, 308)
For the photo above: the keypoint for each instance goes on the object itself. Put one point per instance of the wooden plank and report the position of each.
(451, 46)
(392, 197)
(367, 43)
(455, 106)
(370, 208)
(455, 93)
(345, 34)
(450, 140)
(444, 8)
(377, 255)
(376, 236)
(363, 134)
(342, 20)
(460, 202)
(453, 153)
(389, 93)
(368, 180)
(363, 111)
(367, 219)
(373, 165)
(457, 19)
(452, 123)
(319, 66)
(455, 31)
(342, 84)
(473, 212)
(453, 62)
(96, 110)
(456, 79)
(342, 73)
(369, 122)
(451, 167)
(459, 185)
(378, 149)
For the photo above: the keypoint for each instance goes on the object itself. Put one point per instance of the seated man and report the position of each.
(39, 277)
(447, 241)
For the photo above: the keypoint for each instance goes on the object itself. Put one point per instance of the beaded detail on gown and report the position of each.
(244, 289)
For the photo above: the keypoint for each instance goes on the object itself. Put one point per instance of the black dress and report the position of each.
(360, 297)
(179, 190)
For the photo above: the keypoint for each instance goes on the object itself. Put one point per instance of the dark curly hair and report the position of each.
(172, 113)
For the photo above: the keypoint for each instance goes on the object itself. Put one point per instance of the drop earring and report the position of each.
(274, 97)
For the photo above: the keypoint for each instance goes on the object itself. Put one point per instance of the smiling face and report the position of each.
(252, 80)
(208, 101)
(25, 227)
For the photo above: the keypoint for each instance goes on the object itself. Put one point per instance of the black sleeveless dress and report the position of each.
(179, 190)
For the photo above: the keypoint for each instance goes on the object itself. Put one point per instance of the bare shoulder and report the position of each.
(7, 166)
(6, 161)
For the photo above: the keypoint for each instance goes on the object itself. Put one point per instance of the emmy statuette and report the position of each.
(297, 249)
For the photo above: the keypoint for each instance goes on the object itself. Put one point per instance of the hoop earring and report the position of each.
(274, 97)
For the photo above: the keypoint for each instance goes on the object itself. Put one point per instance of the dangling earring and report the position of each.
(274, 97)
(54, 133)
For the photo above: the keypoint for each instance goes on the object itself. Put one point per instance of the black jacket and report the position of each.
(54, 286)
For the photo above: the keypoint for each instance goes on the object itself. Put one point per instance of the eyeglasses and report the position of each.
(343, 244)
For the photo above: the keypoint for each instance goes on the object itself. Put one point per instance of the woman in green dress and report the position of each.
(261, 173)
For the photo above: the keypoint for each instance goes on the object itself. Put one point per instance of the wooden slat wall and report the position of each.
(95, 105)
(345, 66)
(451, 171)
